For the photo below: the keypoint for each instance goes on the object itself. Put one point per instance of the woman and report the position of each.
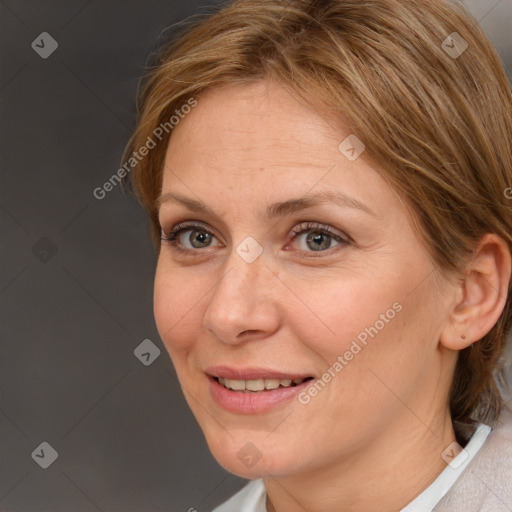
(326, 183)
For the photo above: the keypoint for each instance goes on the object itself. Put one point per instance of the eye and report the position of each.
(318, 237)
(189, 236)
(199, 237)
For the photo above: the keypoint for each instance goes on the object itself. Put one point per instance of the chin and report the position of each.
(254, 458)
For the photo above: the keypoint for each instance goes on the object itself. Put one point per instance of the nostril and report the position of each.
(247, 333)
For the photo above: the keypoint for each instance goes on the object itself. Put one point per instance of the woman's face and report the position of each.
(336, 289)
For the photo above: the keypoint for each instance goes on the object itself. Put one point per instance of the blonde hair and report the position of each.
(437, 124)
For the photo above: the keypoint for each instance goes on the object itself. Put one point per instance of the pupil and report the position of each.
(320, 240)
(199, 238)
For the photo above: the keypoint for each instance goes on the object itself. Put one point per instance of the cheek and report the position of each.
(370, 331)
(176, 304)
(343, 311)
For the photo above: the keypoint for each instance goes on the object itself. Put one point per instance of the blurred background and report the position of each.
(86, 386)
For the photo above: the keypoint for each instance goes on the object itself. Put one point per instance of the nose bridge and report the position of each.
(243, 281)
(240, 301)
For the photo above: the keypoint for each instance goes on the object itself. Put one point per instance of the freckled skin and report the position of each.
(296, 314)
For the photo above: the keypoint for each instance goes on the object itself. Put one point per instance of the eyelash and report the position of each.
(172, 237)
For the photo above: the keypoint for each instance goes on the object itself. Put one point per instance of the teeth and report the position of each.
(272, 383)
(257, 384)
(237, 385)
(254, 385)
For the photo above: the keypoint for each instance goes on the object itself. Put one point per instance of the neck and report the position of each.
(384, 476)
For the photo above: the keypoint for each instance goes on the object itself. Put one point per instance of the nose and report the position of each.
(244, 304)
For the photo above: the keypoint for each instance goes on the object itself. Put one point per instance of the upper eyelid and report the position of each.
(192, 224)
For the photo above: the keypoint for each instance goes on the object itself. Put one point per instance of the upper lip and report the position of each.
(227, 372)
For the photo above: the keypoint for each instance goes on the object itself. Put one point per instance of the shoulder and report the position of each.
(250, 498)
(486, 484)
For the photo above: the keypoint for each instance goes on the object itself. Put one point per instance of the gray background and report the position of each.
(76, 273)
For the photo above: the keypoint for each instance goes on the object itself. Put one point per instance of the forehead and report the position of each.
(256, 141)
(259, 119)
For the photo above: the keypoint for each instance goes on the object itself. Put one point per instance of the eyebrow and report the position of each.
(279, 209)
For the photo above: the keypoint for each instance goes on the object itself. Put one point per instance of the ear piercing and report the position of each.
(463, 336)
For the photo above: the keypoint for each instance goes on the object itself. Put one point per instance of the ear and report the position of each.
(481, 294)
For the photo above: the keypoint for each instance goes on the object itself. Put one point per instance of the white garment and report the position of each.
(479, 479)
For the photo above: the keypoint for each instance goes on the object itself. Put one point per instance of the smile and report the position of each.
(254, 390)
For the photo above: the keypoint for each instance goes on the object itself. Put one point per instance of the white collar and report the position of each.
(432, 495)
(252, 497)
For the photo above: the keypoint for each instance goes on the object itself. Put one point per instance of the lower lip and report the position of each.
(253, 402)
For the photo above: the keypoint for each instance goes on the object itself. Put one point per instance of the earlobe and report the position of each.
(482, 295)
(456, 337)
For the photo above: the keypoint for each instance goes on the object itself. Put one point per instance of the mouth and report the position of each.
(254, 391)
